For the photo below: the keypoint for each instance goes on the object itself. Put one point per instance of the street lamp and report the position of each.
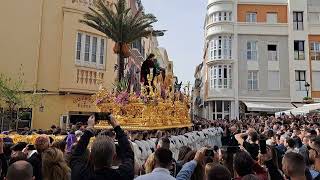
(307, 86)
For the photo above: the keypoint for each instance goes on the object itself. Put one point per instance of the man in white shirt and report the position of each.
(163, 161)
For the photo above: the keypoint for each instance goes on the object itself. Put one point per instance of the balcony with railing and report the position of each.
(219, 28)
(88, 77)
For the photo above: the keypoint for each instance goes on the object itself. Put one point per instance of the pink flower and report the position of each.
(138, 93)
(99, 101)
(122, 98)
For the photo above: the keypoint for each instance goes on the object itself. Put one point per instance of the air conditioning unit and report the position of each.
(64, 121)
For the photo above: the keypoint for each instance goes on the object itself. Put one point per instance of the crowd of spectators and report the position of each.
(255, 148)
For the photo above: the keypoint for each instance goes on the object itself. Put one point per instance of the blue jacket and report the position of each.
(187, 170)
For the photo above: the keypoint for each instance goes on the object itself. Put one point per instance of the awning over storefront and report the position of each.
(267, 106)
(307, 108)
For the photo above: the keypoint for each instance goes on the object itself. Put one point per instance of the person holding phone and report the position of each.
(103, 151)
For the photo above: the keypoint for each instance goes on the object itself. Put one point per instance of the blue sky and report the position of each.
(184, 21)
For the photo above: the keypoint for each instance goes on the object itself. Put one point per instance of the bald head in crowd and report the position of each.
(21, 170)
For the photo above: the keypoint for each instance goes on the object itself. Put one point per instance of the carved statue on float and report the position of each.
(158, 105)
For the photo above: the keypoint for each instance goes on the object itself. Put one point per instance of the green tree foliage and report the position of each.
(120, 24)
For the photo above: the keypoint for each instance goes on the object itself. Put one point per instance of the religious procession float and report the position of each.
(158, 104)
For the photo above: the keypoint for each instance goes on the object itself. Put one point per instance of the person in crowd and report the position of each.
(17, 156)
(294, 166)
(62, 145)
(188, 169)
(302, 149)
(198, 173)
(163, 161)
(314, 157)
(54, 166)
(270, 159)
(244, 164)
(71, 139)
(102, 154)
(217, 172)
(228, 138)
(42, 143)
(291, 145)
(226, 157)
(249, 141)
(182, 153)
(20, 170)
(281, 148)
(163, 142)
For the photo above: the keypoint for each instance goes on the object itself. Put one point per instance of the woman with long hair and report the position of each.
(54, 167)
(198, 173)
(270, 159)
(183, 151)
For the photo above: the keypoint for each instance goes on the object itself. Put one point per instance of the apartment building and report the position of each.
(260, 56)
(62, 60)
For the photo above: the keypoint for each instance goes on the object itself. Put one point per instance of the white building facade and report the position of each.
(259, 56)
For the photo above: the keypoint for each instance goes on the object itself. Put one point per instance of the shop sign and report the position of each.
(83, 102)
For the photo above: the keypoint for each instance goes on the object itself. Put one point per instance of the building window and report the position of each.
(87, 48)
(90, 50)
(272, 52)
(252, 80)
(220, 48)
(315, 51)
(300, 80)
(225, 16)
(272, 18)
(137, 44)
(314, 17)
(220, 16)
(221, 109)
(94, 49)
(79, 39)
(274, 80)
(297, 20)
(221, 77)
(315, 81)
(251, 50)
(102, 51)
(251, 17)
(299, 50)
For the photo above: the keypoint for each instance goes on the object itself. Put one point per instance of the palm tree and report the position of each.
(121, 25)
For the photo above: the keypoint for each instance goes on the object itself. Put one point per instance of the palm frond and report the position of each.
(119, 24)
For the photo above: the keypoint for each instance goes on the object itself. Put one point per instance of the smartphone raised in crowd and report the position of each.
(209, 152)
(263, 145)
(102, 116)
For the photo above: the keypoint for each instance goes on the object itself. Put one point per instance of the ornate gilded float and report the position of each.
(155, 107)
